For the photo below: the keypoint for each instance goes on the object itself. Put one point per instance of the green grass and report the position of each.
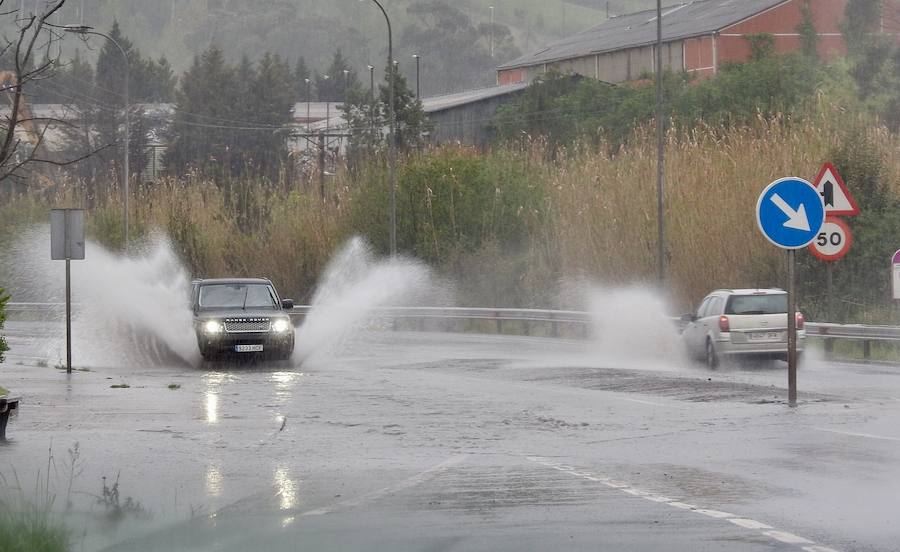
(120, 386)
(3, 391)
(174, 386)
(29, 526)
(31, 530)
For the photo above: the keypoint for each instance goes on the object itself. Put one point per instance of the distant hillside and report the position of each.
(314, 29)
(452, 55)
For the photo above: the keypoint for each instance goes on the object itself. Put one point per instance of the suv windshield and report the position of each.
(218, 296)
(757, 304)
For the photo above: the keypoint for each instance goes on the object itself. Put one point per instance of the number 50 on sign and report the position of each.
(833, 241)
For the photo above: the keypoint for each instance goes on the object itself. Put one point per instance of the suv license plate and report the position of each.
(248, 348)
(765, 336)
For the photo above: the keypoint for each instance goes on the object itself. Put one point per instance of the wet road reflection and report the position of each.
(287, 488)
(213, 481)
(214, 382)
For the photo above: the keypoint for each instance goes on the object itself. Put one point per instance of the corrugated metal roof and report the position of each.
(449, 101)
(639, 29)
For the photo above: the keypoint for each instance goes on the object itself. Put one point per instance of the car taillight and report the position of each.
(801, 321)
(724, 324)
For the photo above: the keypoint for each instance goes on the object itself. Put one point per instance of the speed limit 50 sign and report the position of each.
(833, 241)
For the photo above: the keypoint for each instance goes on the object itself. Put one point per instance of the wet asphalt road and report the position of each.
(424, 441)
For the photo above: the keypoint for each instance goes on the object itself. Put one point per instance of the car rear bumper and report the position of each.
(727, 347)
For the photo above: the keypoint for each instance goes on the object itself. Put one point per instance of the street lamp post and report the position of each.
(85, 30)
(660, 152)
(418, 57)
(327, 106)
(344, 86)
(371, 103)
(308, 99)
(492, 31)
(392, 146)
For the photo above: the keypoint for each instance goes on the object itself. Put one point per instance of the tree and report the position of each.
(409, 118)
(270, 100)
(229, 119)
(204, 100)
(455, 52)
(809, 37)
(302, 90)
(338, 79)
(21, 134)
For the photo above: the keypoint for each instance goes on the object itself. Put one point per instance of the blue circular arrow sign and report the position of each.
(790, 213)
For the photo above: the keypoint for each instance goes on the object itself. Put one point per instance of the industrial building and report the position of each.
(698, 38)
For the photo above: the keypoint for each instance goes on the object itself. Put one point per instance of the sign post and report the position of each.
(835, 239)
(790, 213)
(895, 275)
(66, 244)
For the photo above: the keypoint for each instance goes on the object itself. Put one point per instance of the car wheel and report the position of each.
(712, 359)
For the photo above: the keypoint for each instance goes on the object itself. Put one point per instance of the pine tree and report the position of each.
(410, 121)
(204, 105)
(809, 37)
(271, 99)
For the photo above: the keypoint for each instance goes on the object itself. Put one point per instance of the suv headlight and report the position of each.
(213, 327)
(281, 325)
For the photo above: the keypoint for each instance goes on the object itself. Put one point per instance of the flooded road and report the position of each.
(429, 441)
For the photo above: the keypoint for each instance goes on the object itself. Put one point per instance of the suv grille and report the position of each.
(246, 325)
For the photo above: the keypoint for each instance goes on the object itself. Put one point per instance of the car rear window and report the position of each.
(757, 304)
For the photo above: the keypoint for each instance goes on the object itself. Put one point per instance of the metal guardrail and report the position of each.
(826, 331)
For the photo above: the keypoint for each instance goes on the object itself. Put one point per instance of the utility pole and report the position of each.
(661, 151)
(418, 94)
(321, 140)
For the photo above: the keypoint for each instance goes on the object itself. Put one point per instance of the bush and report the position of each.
(451, 202)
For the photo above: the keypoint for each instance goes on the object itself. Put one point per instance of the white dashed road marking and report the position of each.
(854, 434)
(764, 529)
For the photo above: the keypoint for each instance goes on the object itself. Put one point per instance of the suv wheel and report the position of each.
(712, 359)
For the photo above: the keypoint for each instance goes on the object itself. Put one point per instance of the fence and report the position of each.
(553, 320)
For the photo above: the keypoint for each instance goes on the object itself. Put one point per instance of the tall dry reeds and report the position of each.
(605, 207)
(595, 214)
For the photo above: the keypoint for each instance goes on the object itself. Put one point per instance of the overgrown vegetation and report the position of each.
(30, 525)
(510, 224)
(567, 109)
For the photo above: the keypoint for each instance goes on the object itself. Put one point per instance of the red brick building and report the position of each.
(698, 37)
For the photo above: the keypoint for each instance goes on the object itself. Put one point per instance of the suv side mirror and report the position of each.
(287, 304)
(688, 318)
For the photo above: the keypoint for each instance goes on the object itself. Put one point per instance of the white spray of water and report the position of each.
(128, 308)
(355, 284)
(631, 329)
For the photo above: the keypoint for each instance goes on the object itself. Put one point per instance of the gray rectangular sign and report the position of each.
(67, 234)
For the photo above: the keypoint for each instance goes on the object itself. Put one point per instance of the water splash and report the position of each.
(128, 309)
(631, 329)
(355, 284)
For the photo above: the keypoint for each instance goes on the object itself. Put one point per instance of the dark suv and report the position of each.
(241, 316)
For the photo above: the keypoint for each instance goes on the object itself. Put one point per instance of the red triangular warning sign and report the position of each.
(838, 199)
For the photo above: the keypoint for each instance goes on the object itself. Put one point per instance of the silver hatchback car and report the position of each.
(740, 322)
